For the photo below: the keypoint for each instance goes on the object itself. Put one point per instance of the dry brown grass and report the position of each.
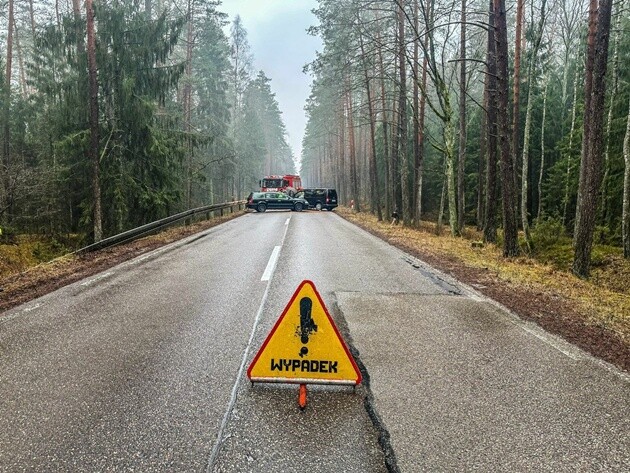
(23, 279)
(604, 300)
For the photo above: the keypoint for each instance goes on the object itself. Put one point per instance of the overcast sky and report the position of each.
(276, 31)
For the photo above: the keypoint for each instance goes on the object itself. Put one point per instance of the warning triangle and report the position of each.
(304, 346)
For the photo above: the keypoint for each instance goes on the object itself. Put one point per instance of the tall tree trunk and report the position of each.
(187, 104)
(481, 164)
(603, 214)
(341, 169)
(444, 111)
(416, 118)
(7, 204)
(438, 227)
(588, 90)
(625, 218)
(421, 118)
(490, 93)
(23, 86)
(565, 201)
(386, 158)
(516, 94)
(57, 14)
(94, 128)
(353, 154)
(589, 186)
(394, 168)
(528, 125)
(375, 200)
(542, 150)
(402, 120)
(510, 228)
(31, 12)
(462, 125)
(448, 134)
(76, 10)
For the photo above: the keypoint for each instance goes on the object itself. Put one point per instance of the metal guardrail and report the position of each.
(136, 233)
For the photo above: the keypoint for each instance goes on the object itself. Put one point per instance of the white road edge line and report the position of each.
(549, 341)
(32, 308)
(97, 278)
(271, 265)
(288, 220)
(217, 445)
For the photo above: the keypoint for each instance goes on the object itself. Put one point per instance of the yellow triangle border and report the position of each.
(280, 379)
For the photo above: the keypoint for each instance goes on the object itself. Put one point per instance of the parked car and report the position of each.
(320, 198)
(261, 201)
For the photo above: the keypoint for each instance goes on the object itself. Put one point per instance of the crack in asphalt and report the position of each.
(384, 438)
(447, 286)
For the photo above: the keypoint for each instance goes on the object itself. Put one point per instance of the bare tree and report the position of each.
(490, 101)
(94, 128)
(565, 200)
(516, 87)
(402, 117)
(76, 10)
(187, 102)
(20, 55)
(354, 191)
(440, 103)
(528, 123)
(31, 11)
(462, 123)
(569, 20)
(385, 127)
(375, 200)
(7, 205)
(625, 219)
(542, 147)
(613, 93)
(416, 112)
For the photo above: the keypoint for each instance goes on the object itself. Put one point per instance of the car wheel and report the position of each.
(298, 207)
(261, 207)
(318, 206)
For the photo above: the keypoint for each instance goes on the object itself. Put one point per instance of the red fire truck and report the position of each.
(289, 183)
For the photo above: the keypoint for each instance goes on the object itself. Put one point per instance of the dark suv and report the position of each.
(261, 201)
(320, 198)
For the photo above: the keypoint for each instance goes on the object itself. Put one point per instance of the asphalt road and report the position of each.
(142, 368)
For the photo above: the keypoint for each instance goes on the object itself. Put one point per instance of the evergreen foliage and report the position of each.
(154, 146)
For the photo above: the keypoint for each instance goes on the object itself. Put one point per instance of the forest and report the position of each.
(115, 113)
(512, 117)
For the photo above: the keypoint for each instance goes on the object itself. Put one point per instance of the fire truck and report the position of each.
(289, 183)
